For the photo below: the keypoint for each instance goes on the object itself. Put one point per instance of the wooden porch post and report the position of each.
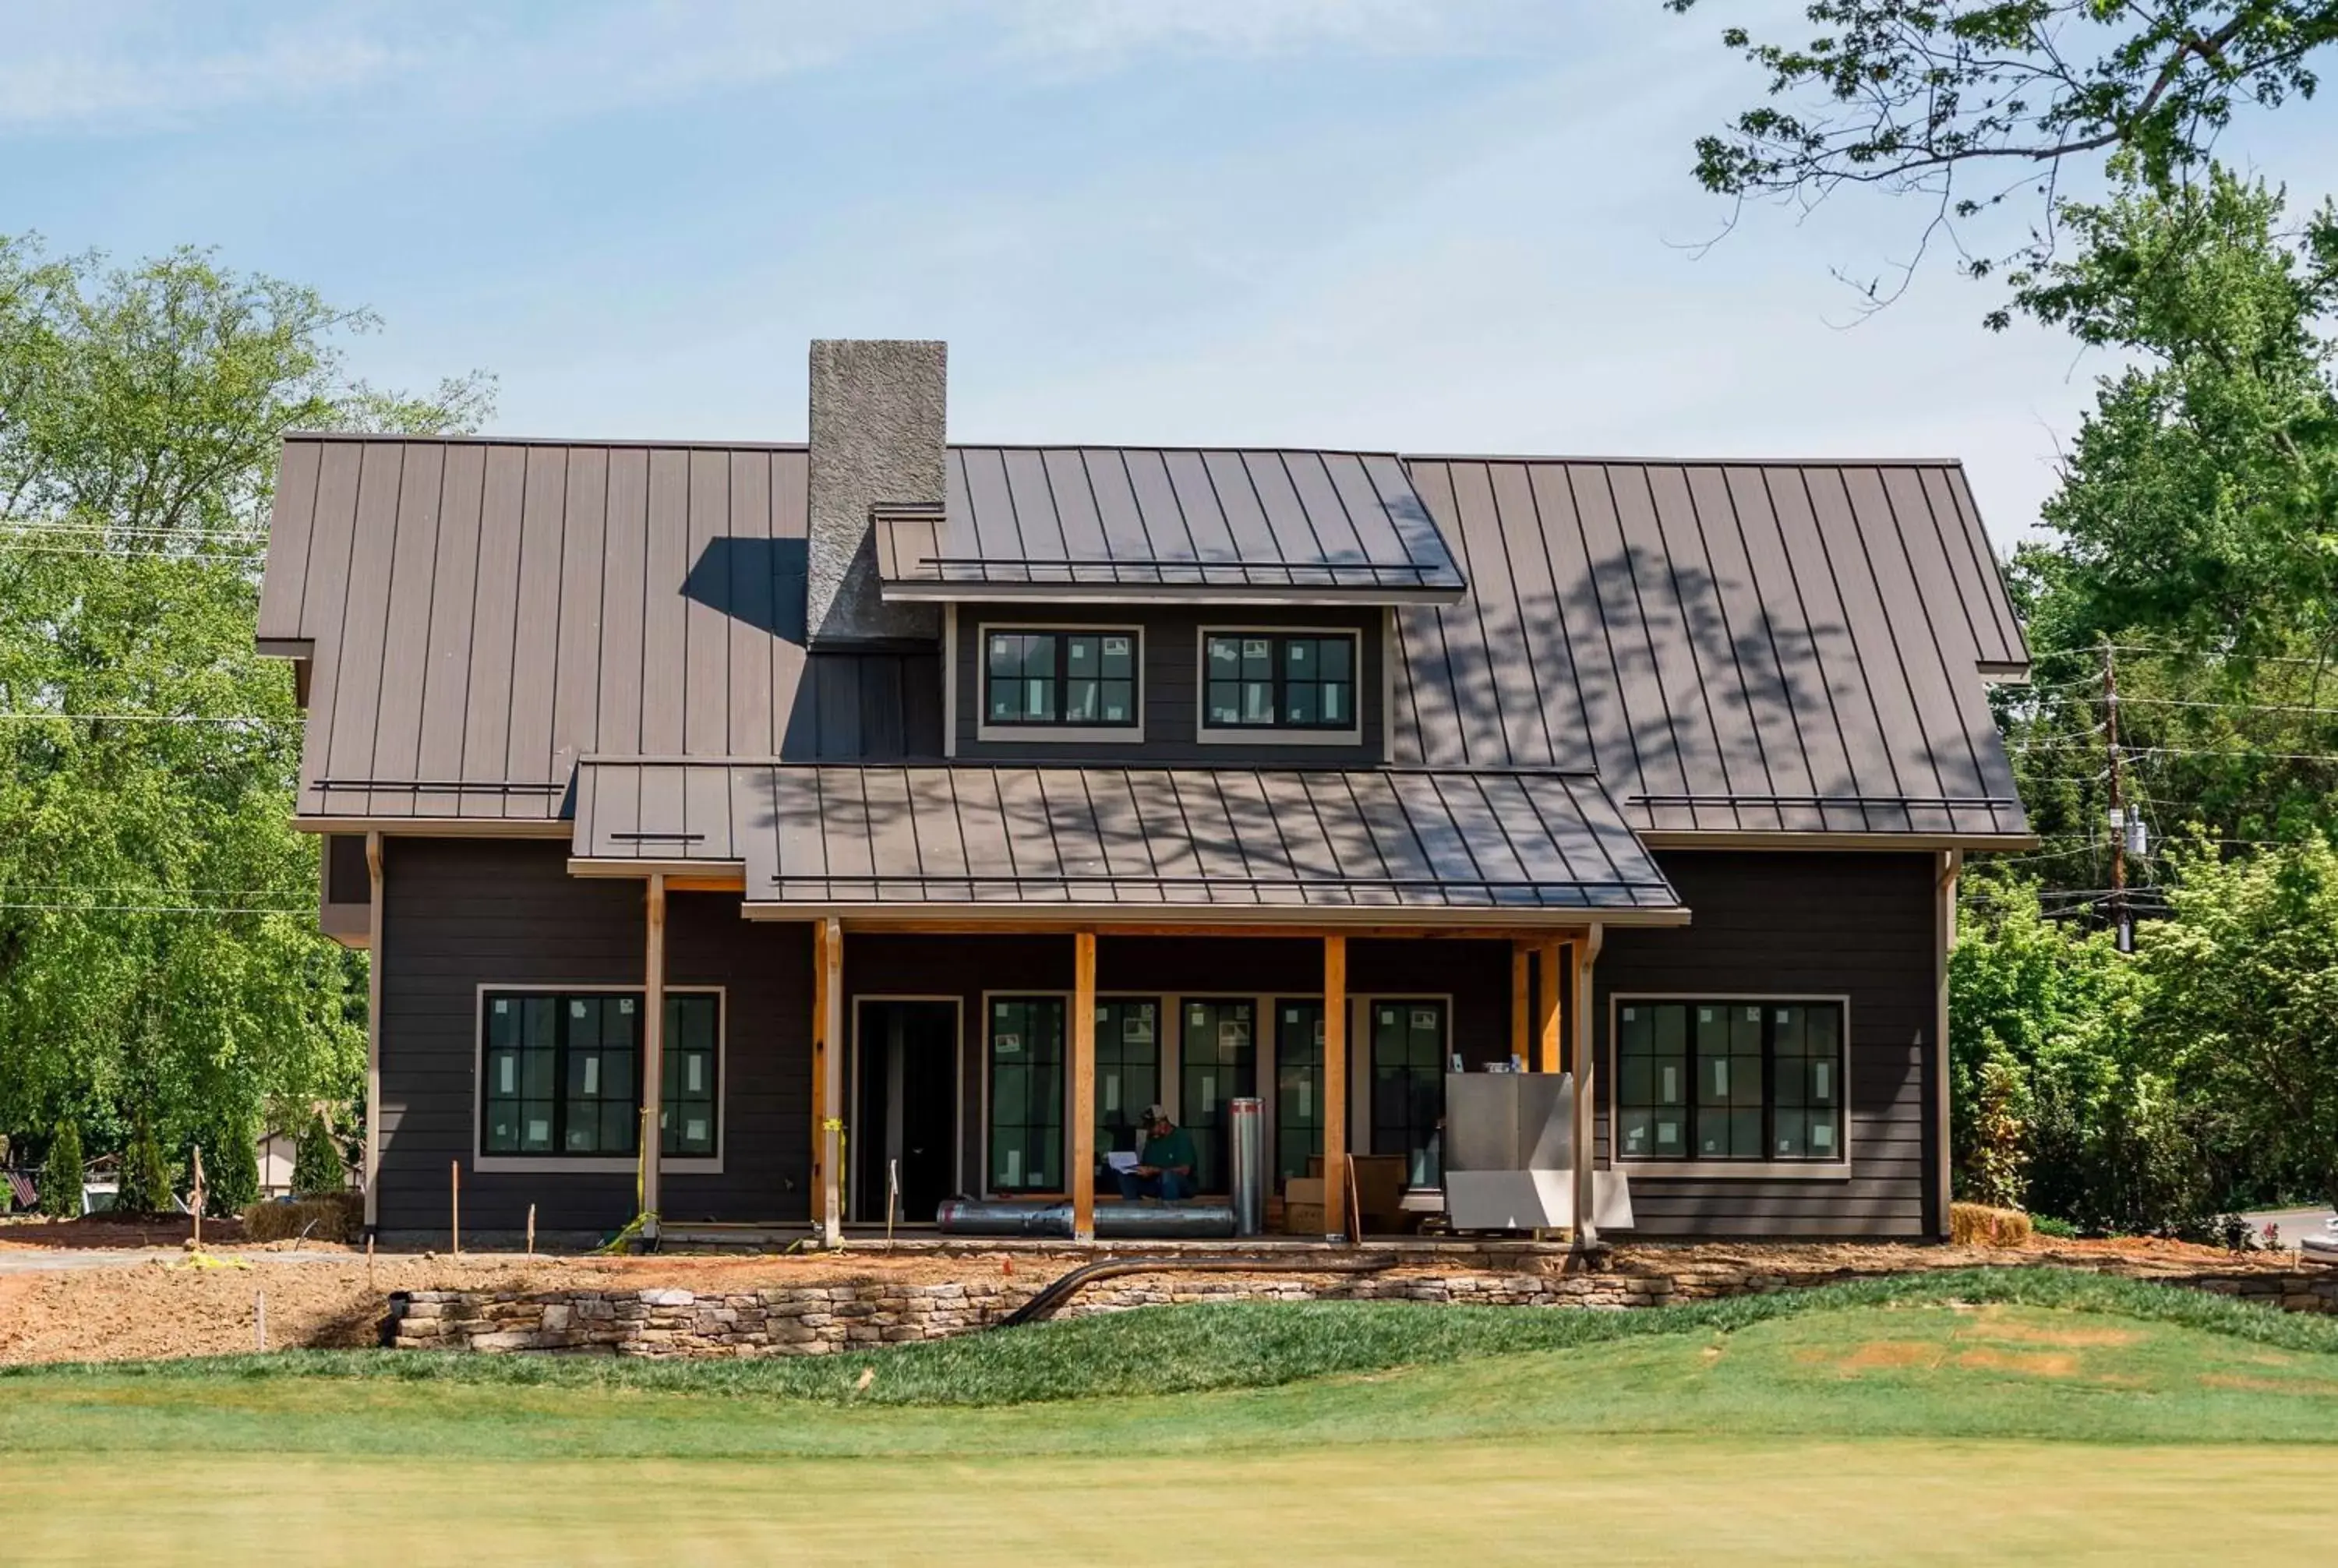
(375, 954)
(1586, 1117)
(1945, 918)
(827, 1080)
(1082, 1173)
(1335, 1086)
(1522, 1025)
(1549, 1031)
(652, 1129)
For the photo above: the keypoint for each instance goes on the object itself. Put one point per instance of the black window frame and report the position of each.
(1279, 642)
(1407, 1098)
(1780, 1102)
(1060, 680)
(561, 1094)
(1046, 1069)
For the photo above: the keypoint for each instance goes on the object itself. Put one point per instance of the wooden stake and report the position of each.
(653, 1059)
(368, 1265)
(260, 1322)
(455, 1207)
(531, 1229)
(198, 1195)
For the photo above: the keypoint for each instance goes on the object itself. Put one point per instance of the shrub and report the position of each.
(145, 1176)
(61, 1176)
(317, 1164)
(334, 1217)
(1997, 1168)
(1979, 1225)
(2059, 1229)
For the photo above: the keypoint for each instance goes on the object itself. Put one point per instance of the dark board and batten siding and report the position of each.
(1171, 698)
(462, 914)
(1820, 924)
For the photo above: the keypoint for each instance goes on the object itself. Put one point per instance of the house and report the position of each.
(881, 814)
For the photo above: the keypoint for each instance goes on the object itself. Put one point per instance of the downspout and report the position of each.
(375, 954)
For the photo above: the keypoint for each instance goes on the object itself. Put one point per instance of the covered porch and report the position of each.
(1010, 964)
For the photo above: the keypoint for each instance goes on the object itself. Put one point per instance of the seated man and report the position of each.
(1165, 1161)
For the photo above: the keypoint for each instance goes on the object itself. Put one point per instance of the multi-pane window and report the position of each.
(1060, 678)
(561, 1074)
(1279, 680)
(690, 1093)
(1408, 1086)
(1026, 1094)
(1729, 1079)
(1217, 1046)
(1298, 1086)
(1127, 1067)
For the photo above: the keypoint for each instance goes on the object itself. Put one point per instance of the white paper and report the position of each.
(1822, 1136)
(591, 1075)
(1821, 1072)
(577, 1009)
(1721, 1075)
(696, 1073)
(1306, 1099)
(502, 1004)
(1668, 1131)
(1209, 1092)
(1672, 1085)
(1424, 1017)
(1111, 1092)
(695, 1130)
(626, 1006)
(1122, 1159)
(1007, 1044)
(506, 1074)
(539, 1131)
(1014, 1169)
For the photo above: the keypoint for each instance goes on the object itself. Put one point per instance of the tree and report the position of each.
(2245, 1000)
(317, 1164)
(143, 1183)
(61, 1173)
(231, 1166)
(1965, 103)
(159, 960)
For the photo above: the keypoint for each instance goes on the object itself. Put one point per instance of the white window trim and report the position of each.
(989, 733)
(583, 1164)
(1207, 734)
(957, 1084)
(1835, 1170)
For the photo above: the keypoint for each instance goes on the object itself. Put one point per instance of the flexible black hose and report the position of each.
(1061, 1289)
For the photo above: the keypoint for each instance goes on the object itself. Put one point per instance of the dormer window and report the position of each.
(1302, 681)
(1060, 683)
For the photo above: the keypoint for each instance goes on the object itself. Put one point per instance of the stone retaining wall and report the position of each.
(820, 1319)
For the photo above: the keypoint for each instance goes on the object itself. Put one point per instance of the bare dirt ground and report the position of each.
(323, 1296)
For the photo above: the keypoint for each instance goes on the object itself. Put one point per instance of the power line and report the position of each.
(13, 549)
(33, 718)
(156, 908)
(138, 530)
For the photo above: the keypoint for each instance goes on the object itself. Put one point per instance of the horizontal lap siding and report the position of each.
(1860, 925)
(461, 913)
(1172, 696)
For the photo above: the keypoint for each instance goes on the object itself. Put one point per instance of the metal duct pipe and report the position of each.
(1247, 1116)
(1045, 1219)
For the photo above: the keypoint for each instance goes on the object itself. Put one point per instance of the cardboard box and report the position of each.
(1303, 1189)
(1303, 1218)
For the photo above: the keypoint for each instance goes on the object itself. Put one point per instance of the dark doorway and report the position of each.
(904, 1108)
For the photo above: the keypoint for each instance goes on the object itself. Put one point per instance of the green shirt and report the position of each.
(1167, 1151)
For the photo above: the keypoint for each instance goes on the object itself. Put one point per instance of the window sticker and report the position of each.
(1233, 1033)
(507, 1076)
(1671, 1085)
(1306, 1099)
(1821, 1075)
(1115, 647)
(1009, 1044)
(539, 1131)
(697, 1075)
(1630, 1013)
(1209, 1092)
(694, 1131)
(502, 1004)
(1821, 1135)
(591, 1075)
(1253, 647)
(577, 1009)
(625, 1005)
(1705, 1014)
(1424, 1017)
(1136, 1029)
(1111, 1093)
(1013, 1175)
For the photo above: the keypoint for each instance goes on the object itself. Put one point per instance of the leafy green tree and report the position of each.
(145, 1178)
(2245, 974)
(231, 1166)
(317, 1164)
(1964, 104)
(61, 1173)
(159, 960)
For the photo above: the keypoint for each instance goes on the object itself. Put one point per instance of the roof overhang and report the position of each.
(926, 591)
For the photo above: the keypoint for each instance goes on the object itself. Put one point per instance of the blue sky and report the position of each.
(1434, 225)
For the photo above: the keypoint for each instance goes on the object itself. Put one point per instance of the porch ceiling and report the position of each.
(1031, 842)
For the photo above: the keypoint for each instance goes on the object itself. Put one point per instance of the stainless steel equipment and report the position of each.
(1247, 1120)
(1510, 1155)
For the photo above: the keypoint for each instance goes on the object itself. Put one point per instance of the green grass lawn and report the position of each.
(1964, 1418)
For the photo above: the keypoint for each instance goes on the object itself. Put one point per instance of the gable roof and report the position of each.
(1069, 523)
(1731, 647)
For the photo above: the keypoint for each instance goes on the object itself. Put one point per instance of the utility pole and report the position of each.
(2120, 921)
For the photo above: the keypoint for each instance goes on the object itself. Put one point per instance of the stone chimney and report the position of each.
(878, 409)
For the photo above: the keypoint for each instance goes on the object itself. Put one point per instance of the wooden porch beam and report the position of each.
(1587, 1104)
(652, 1129)
(916, 927)
(1335, 1087)
(1082, 1174)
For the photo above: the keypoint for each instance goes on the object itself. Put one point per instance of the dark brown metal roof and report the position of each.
(1069, 522)
(1134, 837)
(481, 614)
(1738, 647)
(1734, 647)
